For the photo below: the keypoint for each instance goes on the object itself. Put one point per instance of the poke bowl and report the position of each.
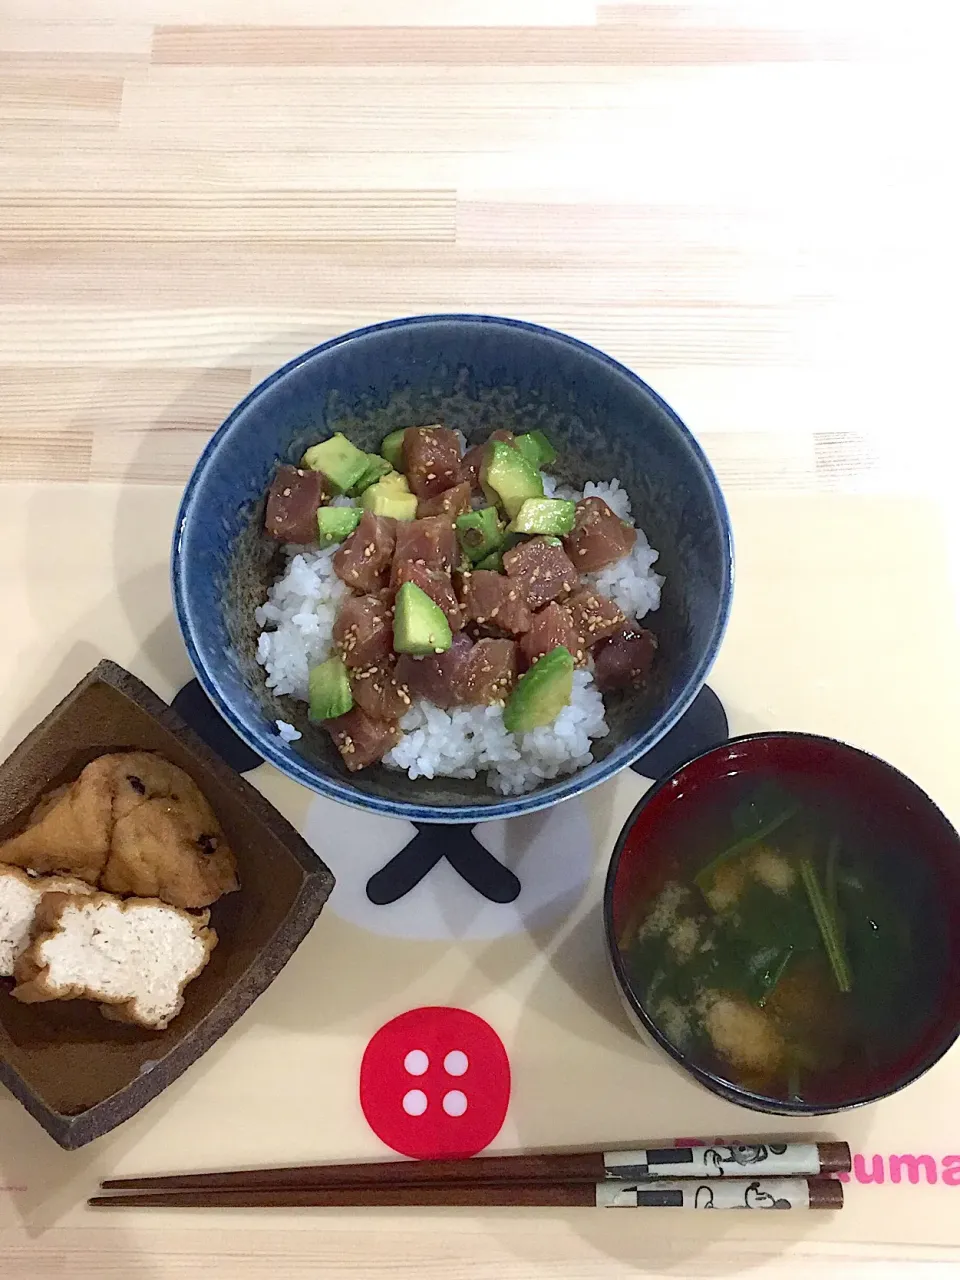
(259, 607)
(782, 916)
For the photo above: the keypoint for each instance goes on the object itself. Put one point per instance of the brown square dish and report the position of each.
(74, 1071)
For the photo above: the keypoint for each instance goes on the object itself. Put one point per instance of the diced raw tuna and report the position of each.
(491, 600)
(541, 570)
(624, 659)
(490, 672)
(360, 739)
(452, 502)
(292, 504)
(364, 557)
(599, 537)
(550, 627)
(470, 465)
(438, 586)
(439, 677)
(472, 460)
(379, 693)
(431, 460)
(431, 543)
(363, 631)
(594, 616)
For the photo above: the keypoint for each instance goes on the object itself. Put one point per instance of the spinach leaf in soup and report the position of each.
(753, 942)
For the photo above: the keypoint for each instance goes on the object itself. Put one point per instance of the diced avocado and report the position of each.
(392, 448)
(509, 476)
(390, 497)
(419, 625)
(480, 533)
(340, 461)
(330, 694)
(536, 448)
(377, 468)
(336, 523)
(494, 562)
(545, 515)
(541, 693)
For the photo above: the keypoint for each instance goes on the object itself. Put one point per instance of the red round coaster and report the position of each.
(435, 1083)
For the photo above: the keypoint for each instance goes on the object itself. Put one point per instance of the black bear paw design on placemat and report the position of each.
(434, 841)
(702, 726)
(193, 705)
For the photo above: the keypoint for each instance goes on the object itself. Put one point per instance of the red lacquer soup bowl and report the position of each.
(897, 854)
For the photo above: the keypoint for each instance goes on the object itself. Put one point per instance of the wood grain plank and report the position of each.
(66, 400)
(112, 424)
(345, 216)
(54, 100)
(73, 38)
(152, 456)
(199, 337)
(517, 1248)
(35, 454)
(120, 166)
(682, 125)
(394, 273)
(666, 44)
(314, 13)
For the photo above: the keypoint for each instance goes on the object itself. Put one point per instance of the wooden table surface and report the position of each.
(745, 202)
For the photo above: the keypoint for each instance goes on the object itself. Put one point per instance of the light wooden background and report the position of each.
(749, 203)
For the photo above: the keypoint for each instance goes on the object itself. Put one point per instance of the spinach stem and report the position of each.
(833, 853)
(827, 925)
(743, 845)
(780, 971)
(793, 1082)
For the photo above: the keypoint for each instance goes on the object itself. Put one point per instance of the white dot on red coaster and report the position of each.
(430, 1119)
(416, 1062)
(415, 1102)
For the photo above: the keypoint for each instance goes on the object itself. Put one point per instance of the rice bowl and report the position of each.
(474, 372)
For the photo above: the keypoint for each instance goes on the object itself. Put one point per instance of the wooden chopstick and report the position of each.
(761, 1159)
(724, 1193)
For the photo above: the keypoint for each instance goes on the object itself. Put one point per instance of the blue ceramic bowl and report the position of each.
(474, 373)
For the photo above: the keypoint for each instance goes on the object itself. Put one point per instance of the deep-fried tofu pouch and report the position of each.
(132, 823)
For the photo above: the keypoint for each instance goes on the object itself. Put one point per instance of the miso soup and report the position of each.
(785, 939)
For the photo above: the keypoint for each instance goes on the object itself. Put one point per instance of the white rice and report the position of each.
(296, 633)
(300, 610)
(469, 740)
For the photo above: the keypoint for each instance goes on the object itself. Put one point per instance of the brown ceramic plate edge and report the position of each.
(73, 1131)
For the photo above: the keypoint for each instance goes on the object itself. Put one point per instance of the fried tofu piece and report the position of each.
(69, 830)
(135, 957)
(20, 896)
(131, 823)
